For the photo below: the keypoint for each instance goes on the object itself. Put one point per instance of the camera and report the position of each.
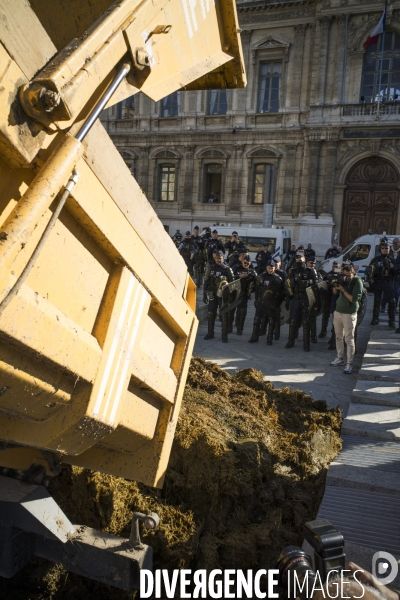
(296, 573)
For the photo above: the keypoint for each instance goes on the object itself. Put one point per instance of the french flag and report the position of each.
(375, 33)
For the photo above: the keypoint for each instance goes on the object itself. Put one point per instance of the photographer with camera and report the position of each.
(350, 291)
(381, 274)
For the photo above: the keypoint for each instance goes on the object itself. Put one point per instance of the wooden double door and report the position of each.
(371, 199)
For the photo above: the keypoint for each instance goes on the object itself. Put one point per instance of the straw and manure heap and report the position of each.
(247, 470)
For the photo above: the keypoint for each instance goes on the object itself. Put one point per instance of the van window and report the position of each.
(254, 244)
(358, 252)
(286, 246)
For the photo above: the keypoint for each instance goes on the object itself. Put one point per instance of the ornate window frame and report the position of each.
(262, 156)
(271, 48)
(207, 156)
(161, 157)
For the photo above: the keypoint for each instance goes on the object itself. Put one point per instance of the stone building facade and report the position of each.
(313, 134)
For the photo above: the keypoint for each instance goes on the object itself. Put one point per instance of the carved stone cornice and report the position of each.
(300, 29)
(325, 22)
(341, 20)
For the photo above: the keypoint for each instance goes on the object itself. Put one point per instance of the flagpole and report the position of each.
(383, 49)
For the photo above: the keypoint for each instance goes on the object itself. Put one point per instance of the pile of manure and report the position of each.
(247, 470)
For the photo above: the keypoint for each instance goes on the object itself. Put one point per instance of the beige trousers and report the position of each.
(345, 327)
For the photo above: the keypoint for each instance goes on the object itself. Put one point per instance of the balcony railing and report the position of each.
(373, 110)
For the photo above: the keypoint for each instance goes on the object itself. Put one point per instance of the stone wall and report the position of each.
(319, 133)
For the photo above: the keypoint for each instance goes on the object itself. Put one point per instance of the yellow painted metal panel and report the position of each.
(24, 36)
(36, 324)
(110, 169)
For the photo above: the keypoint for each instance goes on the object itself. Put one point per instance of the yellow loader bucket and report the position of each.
(97, 312)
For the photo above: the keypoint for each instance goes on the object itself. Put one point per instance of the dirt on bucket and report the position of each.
(247, 470)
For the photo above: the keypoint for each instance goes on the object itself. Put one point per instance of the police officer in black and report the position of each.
(311, 264)
(297, 283)
(237, 257)
(309, 252)
(234, 244)
(262, 258)
(332, 252)
(290, 258)
(268, 295)
(245, 272)
(214, 244)
(333, 278)
(198, 259)
(215, 277)
(187, 249)
(382, 274)
(283, 275)
(177, 237)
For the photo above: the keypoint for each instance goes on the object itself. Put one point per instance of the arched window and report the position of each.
(390, 82)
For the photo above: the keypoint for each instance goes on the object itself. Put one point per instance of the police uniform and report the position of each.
(382, 275)
(290, 259)
(283, 275)
(214, 277)
(198, 261)
(331, 279)
(297, 283)
(313, 313)
(212, 246)
(247, 284)
(233, 246)
(262, 259)
(268, 296)
(309, 253)
(187, 249)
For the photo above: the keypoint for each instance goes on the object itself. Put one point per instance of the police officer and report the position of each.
(290, 258)
(236, 258)
(332, 252)
(299, 280)
(309, 252)
(214, 244)
(198, 262)
(331, 278)
(283, 275)
(245, 272)
(187, 249)
(234, 244)
(382, 276)
(262, 258)
(311, 264)
(215, 277)
(177, 237)
(268, 294)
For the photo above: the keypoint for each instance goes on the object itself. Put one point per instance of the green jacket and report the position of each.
(355, 288)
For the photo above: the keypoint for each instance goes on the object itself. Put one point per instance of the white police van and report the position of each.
(277, 240)
(360, 252)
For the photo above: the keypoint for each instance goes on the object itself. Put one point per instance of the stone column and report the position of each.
(235, 190)
(188, 167)
(143, 171)
(324, 27)
(340, 53)
(307, 80)
(239, 95)
(290, 171)
(329, 178)
(310, 177)
(295, 67)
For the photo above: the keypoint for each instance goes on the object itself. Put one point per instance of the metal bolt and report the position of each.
(142, 58)
(49, 99)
